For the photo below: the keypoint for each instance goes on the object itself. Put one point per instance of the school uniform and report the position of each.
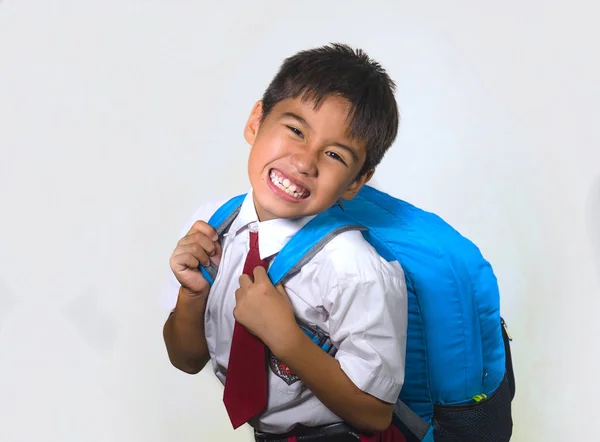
(349, 296)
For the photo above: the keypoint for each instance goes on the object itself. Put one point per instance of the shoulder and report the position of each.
(349, 258)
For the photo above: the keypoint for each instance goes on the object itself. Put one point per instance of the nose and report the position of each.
(305, 163)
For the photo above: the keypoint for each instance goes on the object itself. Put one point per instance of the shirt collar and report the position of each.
(273, 234)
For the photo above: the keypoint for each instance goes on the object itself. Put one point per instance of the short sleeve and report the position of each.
(367, 305)
(171, 286)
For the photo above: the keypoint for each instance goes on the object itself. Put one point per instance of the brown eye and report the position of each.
(335, 156)
(295, 131)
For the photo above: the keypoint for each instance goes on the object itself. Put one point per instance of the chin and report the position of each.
(270, 206)
(272, 209)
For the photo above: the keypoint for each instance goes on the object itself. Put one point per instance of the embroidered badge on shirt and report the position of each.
(282, 371)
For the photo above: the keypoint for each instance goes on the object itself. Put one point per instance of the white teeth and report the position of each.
(275, 178)
(285, 185)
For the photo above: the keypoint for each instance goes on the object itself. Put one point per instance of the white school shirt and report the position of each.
(347, 291)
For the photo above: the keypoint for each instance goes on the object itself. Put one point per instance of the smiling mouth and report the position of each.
(283, 183)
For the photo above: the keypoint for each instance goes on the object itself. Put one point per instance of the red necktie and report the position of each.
(245, 394)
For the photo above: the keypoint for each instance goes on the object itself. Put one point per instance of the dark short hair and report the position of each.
(339, 70)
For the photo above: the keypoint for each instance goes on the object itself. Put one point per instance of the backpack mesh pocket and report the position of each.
(487, 421)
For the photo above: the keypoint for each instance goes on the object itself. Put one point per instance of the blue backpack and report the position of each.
(459, 382)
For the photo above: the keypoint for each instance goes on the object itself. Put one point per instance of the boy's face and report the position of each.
(302, 160)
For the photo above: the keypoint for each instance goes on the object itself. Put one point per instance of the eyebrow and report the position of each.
(297, 118)
(302, 121)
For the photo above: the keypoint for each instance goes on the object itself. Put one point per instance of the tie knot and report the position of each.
(254, 240)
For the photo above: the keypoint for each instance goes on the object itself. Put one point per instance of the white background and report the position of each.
(118, 118)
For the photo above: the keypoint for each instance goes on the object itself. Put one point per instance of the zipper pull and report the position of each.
(506, 329)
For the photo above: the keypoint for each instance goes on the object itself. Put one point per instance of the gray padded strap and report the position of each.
(413, 422)
(318, 247)
(212, 269)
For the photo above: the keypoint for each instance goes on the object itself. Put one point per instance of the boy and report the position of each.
(322, 126)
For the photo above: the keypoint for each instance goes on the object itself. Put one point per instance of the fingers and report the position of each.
(283, 293)
(281, 289)
(260, 274)
(259, 277)
(245, 281)
(238, 296)
(203, 242)
(204, 228)
(198, 247)
(211, 248)
(194, 249)
(185, 260)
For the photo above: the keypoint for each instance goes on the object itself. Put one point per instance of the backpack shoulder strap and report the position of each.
(307, 242)
(221, 220)
(224, 216)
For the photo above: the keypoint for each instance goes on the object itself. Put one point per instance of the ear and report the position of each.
(355, 187)
(253, 123)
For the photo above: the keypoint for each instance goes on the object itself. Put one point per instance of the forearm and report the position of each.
(183, 333)
(323, 375)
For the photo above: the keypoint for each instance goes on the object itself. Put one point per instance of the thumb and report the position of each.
(282, 291)
(216, 257)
